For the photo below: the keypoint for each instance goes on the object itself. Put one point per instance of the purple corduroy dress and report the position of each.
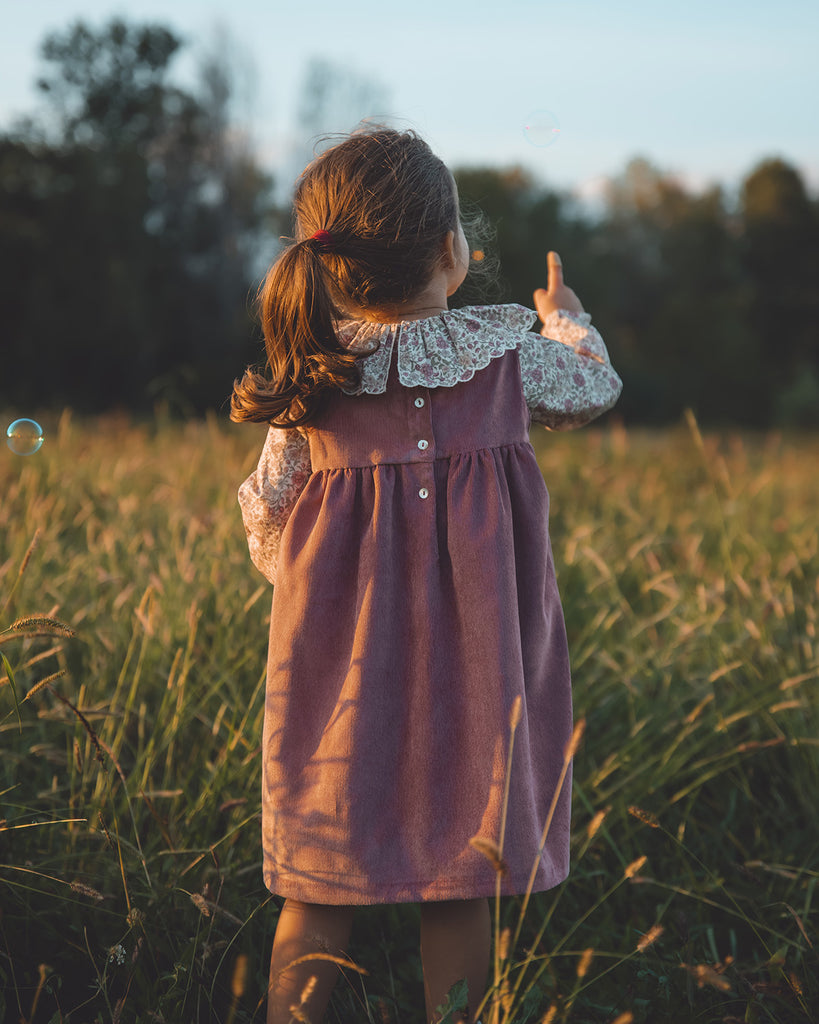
(415, 599)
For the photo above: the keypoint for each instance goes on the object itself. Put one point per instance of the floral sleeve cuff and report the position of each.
(568, 379)
(268, 495)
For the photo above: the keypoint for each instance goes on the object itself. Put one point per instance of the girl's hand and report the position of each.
(556, 295)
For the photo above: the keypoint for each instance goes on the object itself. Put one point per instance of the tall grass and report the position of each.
(129, 842)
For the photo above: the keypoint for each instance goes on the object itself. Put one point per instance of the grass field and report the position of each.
(130, 886)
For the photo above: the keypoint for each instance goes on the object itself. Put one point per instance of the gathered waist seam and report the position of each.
(422, 462)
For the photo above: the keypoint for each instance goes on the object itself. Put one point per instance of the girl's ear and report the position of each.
(448, 250)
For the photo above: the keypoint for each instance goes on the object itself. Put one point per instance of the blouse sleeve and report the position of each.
(568, 379)
(268, 495)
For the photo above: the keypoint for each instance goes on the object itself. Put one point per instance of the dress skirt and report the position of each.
(415, 600)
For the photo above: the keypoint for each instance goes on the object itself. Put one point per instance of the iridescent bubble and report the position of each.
(541, 129)
(24, 437)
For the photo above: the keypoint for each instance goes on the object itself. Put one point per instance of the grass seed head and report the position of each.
(646, 817)
(650, 937)
(574, 742)
(634, 867)
(200, 903)
(595, 823)
(27, 556)
(238, 982)
(584, 963)
(515, 713)
(308, 989)
(490, 849)
(703, 974)
(86, 890)
(135, 918)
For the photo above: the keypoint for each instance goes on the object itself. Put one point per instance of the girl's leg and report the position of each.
(305, 928)
(455, 944)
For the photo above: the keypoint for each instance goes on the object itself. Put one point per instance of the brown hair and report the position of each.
(387, 202)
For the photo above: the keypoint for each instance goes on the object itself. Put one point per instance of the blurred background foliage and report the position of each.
(133, 214)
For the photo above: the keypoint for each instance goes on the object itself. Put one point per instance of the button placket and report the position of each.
(424, 426)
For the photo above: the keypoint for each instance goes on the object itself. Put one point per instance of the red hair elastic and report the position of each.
(325, 240)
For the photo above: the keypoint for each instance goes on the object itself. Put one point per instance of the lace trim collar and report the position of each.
(440, 351)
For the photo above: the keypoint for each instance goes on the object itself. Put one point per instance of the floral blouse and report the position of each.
(567, 381)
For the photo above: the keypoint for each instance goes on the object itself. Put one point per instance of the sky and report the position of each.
(703, 89)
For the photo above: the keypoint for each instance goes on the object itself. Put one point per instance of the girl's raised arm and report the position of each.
(568, 379)
(268, 495)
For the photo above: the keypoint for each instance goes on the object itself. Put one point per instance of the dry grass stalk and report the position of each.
(85, 724)
(800, 923)
(23, 566)
(43, 970)
(340, 961)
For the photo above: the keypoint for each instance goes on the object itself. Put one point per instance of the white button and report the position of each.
(423, 445)
(419, 403)
(423, 493)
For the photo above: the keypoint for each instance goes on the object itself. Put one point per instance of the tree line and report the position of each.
(706, 301)
(132, 215)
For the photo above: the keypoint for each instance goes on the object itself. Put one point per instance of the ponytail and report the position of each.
(304, 357)
(372, 213)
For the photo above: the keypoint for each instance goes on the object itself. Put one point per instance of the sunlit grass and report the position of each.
(129, 829)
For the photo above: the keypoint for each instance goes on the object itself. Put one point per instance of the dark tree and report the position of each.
(129, 218)
(677, 300)
(780, 249)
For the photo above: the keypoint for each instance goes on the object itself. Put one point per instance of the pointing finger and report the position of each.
(555, 271)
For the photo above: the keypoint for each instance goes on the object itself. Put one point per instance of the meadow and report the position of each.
(133, 643)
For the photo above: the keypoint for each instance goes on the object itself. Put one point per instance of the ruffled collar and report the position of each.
(437, 352)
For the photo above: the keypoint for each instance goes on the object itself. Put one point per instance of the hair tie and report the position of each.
(324, 239)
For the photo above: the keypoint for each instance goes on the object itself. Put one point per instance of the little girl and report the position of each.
(400, 512)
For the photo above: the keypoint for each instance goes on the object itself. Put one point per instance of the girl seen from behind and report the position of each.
(400, 512)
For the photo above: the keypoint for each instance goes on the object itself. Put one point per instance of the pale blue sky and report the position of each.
(704, 89)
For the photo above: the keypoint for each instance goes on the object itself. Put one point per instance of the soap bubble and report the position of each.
(24, 437)
(541, 129)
